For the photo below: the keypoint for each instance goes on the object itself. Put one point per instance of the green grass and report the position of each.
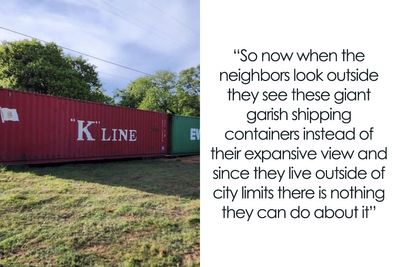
(124, 213)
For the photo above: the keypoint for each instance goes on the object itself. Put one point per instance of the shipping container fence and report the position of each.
(37, 128)
(185, 135)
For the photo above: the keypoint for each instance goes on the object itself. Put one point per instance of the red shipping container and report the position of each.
(37, 128)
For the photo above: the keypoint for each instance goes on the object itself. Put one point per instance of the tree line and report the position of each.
(44, 68)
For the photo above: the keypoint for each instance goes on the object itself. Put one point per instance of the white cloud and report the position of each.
(146, 35)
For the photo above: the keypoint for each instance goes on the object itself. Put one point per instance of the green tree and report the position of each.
(189, 80)
(43, 68)
(165, 91)
(187, 98)
(160, 96)
(134, 94)
(154, 92)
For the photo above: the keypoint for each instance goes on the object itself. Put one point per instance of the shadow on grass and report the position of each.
(175, 176)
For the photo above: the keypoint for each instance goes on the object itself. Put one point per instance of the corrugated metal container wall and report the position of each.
(185, 135)
(37, 128)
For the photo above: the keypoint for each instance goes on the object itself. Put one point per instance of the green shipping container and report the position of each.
(185, 135)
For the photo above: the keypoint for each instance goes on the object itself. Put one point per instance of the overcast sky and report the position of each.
(147, 35)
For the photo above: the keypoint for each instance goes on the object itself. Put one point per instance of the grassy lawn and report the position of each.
(121, 213)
